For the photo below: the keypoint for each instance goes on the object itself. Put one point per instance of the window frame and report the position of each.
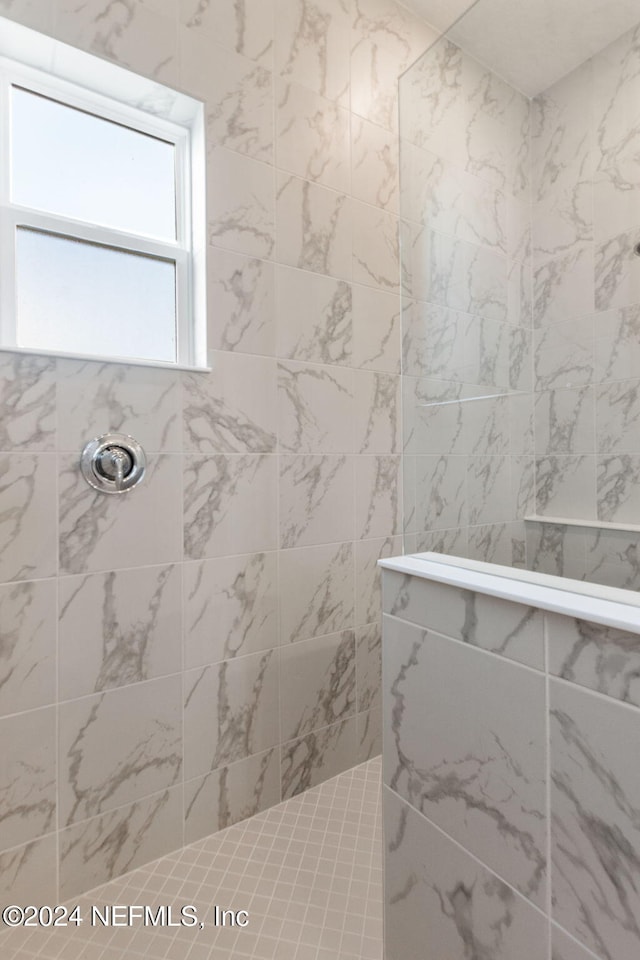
(183, 252)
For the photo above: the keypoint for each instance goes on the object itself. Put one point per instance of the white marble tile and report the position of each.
(563, 221)
(312, 45)
(593, 656)
(378, 496)
(240, 204)
(565, 421)
(617, 272)
(27, 516)
(374, 164)
(511, 630)
(315, 408)
(617, 344)
(236, 702)
(118, 628)
(387, 38)
(369, 667)
(375, 248)
(455, 773)
(318, 679)
(566, 486)
(116, 842)
(564, 354)
(563, 288)
(312, 137)
(556, 549)
(441, 492)
(369, 735)
(523, 492)
(118, 747)
(318, 757)
(436, 894)
(245, 26)
(316, 591)
(488, 490)
(134, 35)
(314, 227)
(238, 93)
(240, 303)
(616, 88)
(27, 776)
(502, 543)
(316, 500)
(377, 413)
(595, 837)
(230, 607)
(564, 947)
(618, 488)
(611, 558)
(32, 13)
(27, 646)
(98, 398)
(322, 332)
(230, 794)
(376, 329)
(98, 532)
(368, 578)
(229, 505)
(27, 403)
(29, 873)
(454, 542)
(232, 409)
(617, 411)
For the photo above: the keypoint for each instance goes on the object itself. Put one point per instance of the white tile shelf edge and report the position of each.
(592, 524)
(608, 606)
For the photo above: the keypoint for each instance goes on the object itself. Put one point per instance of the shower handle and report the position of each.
(113, 463)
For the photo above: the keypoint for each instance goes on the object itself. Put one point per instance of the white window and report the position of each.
(102, 233)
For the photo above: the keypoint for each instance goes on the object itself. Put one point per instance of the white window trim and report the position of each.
(60, 83)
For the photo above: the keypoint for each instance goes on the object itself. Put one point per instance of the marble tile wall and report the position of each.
(186, 656)
(586, 223)
(465, 206)
(510, 789)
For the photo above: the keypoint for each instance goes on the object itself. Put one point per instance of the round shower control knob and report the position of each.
(113, 463)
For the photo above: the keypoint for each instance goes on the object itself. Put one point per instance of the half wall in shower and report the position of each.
(520, 205)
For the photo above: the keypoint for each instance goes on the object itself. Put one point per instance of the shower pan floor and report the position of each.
(308, 872)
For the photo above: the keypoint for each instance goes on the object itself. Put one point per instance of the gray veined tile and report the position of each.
(564, 354)
(29, 873)
(563, 288)
(245, 26)
(318, 756)
(437, 894)
(488, 490)
(236, 703)
(617, 344)
(611, 558)
(433, 102)
(322, 332)
(312, 136)
(376, 329)
(232, 409)
(27, 777)
(27, 645)
(595, 837)
(97, 398)
(377, 413)
(455, 772)
(118, 628)
(27, 403)
(454, 542)
(315, 408)
(368, 578)
(617, 272)
(98, 532)
(27, 516)
(116, 842)
(564, 947)
(565, 421)
(241, 303)
(618, 494)
(441, 492)
(316, 591)
(556, 549)
(378, 496)
(240, 204)
(374, 164)
(316, 497)
(369, 734)
(590, 655)
(230, 607)
(502, 543)
(314, 227)
(617, 412)
(375, 248)
(312, 46)
(318, 680)
(566, 486)
(118, 747)
(369, 667)
(229, 505)
(230, 794)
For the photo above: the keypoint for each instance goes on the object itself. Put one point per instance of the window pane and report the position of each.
(78, 297)
(71, 163)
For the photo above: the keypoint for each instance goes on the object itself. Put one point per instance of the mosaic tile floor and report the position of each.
(309, 873)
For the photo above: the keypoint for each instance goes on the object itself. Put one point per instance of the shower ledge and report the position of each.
(572, 522)
(608, 606)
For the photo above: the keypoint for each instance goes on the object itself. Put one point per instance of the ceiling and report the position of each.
(531, 43)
